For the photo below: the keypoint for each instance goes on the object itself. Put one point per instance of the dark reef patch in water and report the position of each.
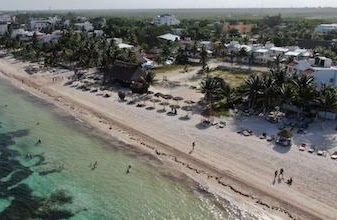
(23, 204)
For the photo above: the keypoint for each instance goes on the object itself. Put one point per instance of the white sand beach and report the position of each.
(224, 162)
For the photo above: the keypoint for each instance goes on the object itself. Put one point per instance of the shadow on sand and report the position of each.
(202, 125)
(281, 149)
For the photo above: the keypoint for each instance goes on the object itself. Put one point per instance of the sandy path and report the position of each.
(221, 156)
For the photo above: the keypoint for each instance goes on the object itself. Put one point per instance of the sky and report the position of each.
(141, 4)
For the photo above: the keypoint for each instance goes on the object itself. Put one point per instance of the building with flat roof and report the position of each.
(166, 19)
(326, 28)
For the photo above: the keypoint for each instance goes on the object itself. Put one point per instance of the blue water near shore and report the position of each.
(57, 182)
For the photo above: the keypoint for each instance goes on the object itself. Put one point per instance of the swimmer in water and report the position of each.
(128, 170)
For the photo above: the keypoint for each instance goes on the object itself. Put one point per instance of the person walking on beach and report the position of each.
(281, 172)
(290, 181)
(276, 173)
(193, 145)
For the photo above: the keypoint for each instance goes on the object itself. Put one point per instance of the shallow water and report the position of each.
(59, 183)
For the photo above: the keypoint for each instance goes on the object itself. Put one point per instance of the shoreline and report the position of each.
(198, 170)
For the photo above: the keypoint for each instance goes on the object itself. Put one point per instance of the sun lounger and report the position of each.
(301, 148)
(245, 133)
(334, 157)
(222, 123)
(320, 153)
(271, 138)
(311, 150)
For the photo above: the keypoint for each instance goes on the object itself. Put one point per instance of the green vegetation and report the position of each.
(172, 68)
(234, 78)
(263, 92)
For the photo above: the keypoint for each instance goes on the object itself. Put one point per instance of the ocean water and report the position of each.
(54, 180)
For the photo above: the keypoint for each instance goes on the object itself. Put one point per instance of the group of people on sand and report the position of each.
(279, 175)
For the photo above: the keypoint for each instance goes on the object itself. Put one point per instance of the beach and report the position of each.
(229, 165)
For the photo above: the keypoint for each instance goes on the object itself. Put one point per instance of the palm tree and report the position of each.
(267, 96)
(287, 94)
(232, 55)
(211, 89)
(251, 61)
(327, 100)
(280, 76)
(251, 89)
(242, 54)
(203, 58)
(150, 78)
(305, 91)
(277, 62)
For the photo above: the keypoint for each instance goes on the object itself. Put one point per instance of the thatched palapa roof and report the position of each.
(126, 72)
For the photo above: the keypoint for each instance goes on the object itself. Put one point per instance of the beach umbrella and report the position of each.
(190, 102)
(158, 94)
(164, 104)
(145, 98)
(187, 108)
(167, 97)
(175, 106)
(154, 101)
(178, 98)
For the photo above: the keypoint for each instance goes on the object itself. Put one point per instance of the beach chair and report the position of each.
(334, 156)
(302, 147)
(311, 150)
(271, 138)
(320, 153)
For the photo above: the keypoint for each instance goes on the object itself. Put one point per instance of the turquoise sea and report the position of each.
(54, 179)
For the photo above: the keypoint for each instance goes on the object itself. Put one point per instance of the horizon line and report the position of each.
(79, 9)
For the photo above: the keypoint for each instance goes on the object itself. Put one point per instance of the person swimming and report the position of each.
(94, 166)
(38, 142)
(128, 170)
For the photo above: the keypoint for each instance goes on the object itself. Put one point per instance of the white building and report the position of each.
(125, 46)
(86, 26)
(3, 29)
(319, 68)
(166, 19)
(261, 55)
(277, 51)
(169, 37)
(5, 18)
(17, 32)
(117, 40)
(96, 33)
(297, 54)
(40, 24)
(325, 28)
